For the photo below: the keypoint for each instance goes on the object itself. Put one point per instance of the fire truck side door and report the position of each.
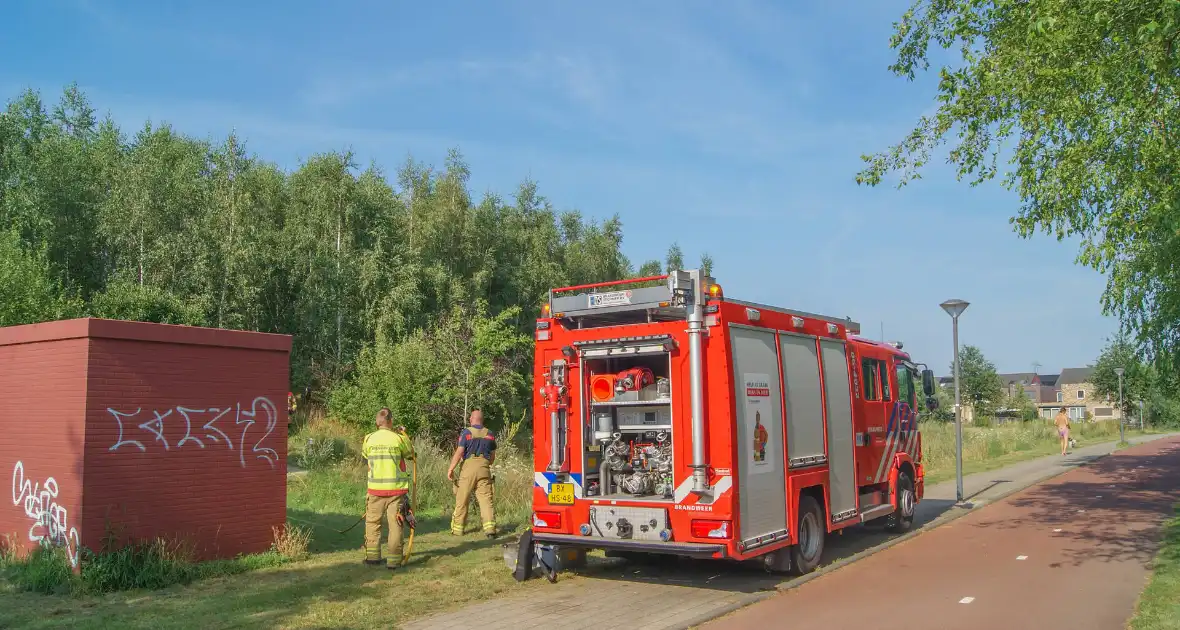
(842, 495)
(875, 411)
(761, 462)
(907, 404)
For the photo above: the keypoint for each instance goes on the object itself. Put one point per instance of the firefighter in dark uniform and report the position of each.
(477, 452)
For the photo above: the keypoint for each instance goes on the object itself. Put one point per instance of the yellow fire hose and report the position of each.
(413, 502)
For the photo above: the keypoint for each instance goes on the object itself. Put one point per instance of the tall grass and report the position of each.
(152, 564)
(339, 486)
(986, 443)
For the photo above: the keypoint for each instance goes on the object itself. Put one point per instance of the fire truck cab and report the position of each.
(671, 419)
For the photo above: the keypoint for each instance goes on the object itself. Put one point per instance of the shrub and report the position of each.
(26, 281)
(8, 549)
(150, 565)
(1163, 412)
(321, 453)
(291, 542)
(153, 564)
(45, 570)
(123, 299)
(432, 379)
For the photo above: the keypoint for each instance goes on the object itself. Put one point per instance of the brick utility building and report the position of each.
(143, 431)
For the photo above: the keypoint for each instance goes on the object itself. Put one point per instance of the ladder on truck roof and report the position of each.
(660, 303)
(591, 307)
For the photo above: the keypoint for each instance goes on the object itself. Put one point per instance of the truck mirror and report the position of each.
(931, 403)
(928, 382)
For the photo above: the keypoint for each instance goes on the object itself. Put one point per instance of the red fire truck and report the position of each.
(671, 419)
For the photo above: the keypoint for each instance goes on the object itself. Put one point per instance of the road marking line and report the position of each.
(966, 600)
(1022, 557)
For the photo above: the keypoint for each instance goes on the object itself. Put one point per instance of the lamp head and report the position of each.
(954, 307)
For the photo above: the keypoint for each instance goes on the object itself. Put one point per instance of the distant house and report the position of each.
(1072, 390)
(1028, 383)
(1075, 391)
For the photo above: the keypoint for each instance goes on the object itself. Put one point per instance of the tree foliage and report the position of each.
(432, 379)
(1082, 99)
(979, 384)
(406, 283)
(675, 258)
(945, 409)
(707, 264)
(30, 294)
(1018, 402)
(1140, 380)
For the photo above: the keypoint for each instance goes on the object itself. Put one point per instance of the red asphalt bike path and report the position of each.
(1072, 552)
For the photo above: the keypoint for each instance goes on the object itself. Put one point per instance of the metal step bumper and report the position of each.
(691, 550)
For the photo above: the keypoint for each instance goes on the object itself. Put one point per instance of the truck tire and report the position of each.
(806, 554)
(524, 557)
(902, 518)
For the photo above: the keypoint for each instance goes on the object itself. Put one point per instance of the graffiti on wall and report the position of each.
(203, 427)
(51, 520)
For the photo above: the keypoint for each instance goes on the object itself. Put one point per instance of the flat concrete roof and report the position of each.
(142, 331)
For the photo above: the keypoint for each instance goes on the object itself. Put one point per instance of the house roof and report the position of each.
(1071, 376)
(1024, 378)
(1049, 380)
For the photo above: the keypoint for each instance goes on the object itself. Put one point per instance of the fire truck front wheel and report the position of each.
(806, 554)
(902, 519)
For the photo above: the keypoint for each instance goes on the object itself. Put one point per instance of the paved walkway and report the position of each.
(679, 594)
(1073, 552)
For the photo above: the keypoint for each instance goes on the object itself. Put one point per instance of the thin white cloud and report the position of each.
(638, 76)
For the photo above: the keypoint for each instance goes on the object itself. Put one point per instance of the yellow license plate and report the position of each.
(561, 494)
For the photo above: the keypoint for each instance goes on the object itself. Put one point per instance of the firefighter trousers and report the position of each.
(475, 477)
(377, 508)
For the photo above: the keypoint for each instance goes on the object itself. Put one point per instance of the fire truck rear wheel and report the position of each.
(903, 518)
(806, 554)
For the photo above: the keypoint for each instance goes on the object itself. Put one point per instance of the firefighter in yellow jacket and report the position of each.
(389, 482)
(477, 451)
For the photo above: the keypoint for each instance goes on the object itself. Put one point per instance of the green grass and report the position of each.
(151, 564)
(1159, 605)
(989, 448)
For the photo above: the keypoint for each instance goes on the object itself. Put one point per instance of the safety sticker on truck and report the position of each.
(758, 411)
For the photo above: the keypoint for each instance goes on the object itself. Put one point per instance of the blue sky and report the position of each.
(730, 127)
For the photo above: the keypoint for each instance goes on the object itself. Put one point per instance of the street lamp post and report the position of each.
(955, 308)
(1122, 411)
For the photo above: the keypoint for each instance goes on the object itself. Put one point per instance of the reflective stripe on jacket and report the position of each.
(386, 452)
(477, 441)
